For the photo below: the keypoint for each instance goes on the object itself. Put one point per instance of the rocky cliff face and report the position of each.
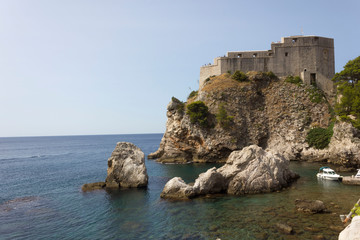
(266, 112)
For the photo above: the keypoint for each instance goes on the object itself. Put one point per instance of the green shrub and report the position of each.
(270, 75)
(193, 94)
(356, 123)
(223, 119)
(198, 113)
(345, 118)
(316, 95)
(319, 138)
(180, 107)
(239, 76)
(295, 80)
(207, 79)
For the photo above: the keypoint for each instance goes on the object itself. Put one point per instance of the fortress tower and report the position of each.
(310, 57)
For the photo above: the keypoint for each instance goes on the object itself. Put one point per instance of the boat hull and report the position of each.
(327, 177)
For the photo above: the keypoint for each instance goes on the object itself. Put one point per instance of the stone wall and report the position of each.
(310, 57)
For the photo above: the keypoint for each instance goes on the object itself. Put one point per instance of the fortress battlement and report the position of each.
(310, 57)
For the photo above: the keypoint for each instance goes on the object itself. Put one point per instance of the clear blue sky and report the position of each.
(73, 67)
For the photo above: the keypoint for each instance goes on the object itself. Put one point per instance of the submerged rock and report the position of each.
(251, 170)
(93, 186)
(285, 228)
(126, 167)
(310, 206)
(351, 232)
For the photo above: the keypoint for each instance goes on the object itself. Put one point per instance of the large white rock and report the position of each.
(177, 188)
(251, 170)
(351, 232)
(126, 167)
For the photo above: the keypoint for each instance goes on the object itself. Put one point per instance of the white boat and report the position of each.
(358, 174)
(328, 174)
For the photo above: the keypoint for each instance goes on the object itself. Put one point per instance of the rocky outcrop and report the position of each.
(126, 169)
(343, 149)
(263, 111)
(93, 186)
(352, 231)
(251, 170)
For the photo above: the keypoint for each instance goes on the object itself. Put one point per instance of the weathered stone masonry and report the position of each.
(310, 57)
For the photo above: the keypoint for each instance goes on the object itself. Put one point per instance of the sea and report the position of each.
(41, 197)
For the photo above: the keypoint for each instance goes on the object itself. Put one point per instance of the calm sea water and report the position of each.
(41, 198)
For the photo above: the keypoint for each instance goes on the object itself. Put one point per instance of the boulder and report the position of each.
(176, 188)
(285, 228)
(352, 231)
(126, 167)
(311, 206)
(251, 170)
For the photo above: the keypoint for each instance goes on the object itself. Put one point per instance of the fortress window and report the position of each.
(239, 55)
(286, 54)
(294, 40)
(255, 54)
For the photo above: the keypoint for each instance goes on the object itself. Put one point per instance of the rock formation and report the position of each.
(251, 170)
(126, 169)
(351, 232)
(265, 112)
(310, 206)
(343, 148)
(273, 114)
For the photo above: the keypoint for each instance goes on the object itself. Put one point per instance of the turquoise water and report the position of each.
(41, 198)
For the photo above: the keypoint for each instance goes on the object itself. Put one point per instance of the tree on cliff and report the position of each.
(198, 113)
(350, 74)
(348, 87)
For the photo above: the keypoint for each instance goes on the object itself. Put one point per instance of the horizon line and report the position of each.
(79, 135)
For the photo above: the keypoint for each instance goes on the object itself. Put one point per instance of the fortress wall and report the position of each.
(210, 70)
(310, 57)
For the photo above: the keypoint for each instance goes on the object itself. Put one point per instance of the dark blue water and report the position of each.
(41, 198)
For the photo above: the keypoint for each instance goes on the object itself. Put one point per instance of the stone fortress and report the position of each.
(310, 57)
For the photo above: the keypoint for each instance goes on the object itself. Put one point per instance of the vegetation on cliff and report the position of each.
(198, 113)
(293, 79)
(348, 92)
(239, 76)
(319, 138)
(222, 117)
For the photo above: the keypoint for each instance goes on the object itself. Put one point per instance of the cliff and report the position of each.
(265, 111)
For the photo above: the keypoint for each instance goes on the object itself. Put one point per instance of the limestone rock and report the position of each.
(268, 113)
(126, 167)
(351, 232)
(251, 170)
(310, 206)
(176, 188)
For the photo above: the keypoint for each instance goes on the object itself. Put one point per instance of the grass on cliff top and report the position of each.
(224, 81)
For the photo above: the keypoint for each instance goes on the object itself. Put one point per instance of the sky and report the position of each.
(84, 67)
